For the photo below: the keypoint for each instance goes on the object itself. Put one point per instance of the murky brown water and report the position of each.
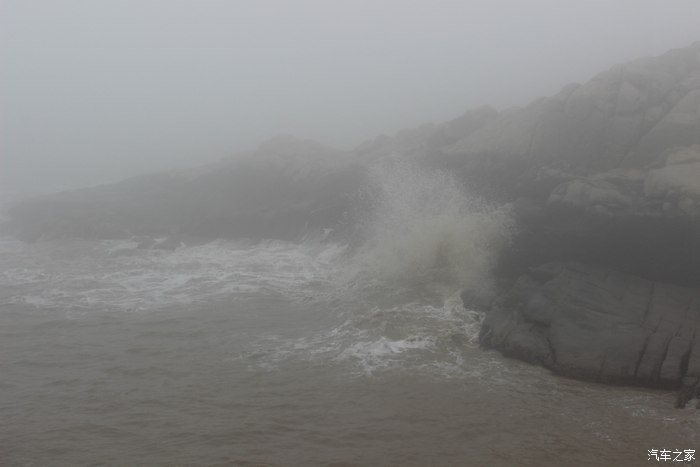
(224, 355)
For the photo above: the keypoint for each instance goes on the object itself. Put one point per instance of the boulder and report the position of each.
(599, 324)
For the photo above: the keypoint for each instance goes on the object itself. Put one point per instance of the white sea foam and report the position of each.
(423, 235)
(97, 275)
(414, 335)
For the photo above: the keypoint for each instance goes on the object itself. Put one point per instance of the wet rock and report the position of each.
(690, 389)
(599, 324)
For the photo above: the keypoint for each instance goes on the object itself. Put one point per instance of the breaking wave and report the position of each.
(391, 302)
(425, 232)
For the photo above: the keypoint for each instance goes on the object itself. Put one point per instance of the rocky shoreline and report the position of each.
(600, 325)
(602, 279)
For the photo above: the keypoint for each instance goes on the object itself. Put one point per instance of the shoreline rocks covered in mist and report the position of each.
(601, 279)
(284, 189)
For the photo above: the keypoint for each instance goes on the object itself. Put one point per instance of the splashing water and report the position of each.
(424, 231)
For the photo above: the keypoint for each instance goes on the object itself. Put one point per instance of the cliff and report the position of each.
(602, 279)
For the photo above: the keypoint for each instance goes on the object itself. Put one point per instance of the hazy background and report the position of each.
(96, 90)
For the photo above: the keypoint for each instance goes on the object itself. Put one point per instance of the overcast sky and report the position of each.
(95, 90)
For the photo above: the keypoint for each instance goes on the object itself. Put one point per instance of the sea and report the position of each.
(316, 352)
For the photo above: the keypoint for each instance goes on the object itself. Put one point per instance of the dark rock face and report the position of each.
(659, 246)
(601, 281)
(597, 324)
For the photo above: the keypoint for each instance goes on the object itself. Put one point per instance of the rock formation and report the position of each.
(603, 278)
(601, 281)
(283, 190)
(599, 324)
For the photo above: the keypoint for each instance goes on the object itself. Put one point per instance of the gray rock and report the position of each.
(680, 127)
(626, 117)
(597, 324)
(281, 191)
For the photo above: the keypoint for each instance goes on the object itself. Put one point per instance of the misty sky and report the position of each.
(95, 90)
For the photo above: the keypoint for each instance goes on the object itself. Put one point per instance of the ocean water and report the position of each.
(242, 353)
(266, 353)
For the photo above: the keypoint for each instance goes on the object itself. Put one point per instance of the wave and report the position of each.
(425, 232)
(86, 276)
(368, 340)
(392, 301)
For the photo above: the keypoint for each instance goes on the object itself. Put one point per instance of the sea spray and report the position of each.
(423, 231)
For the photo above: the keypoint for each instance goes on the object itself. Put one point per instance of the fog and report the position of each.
(95, 91)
